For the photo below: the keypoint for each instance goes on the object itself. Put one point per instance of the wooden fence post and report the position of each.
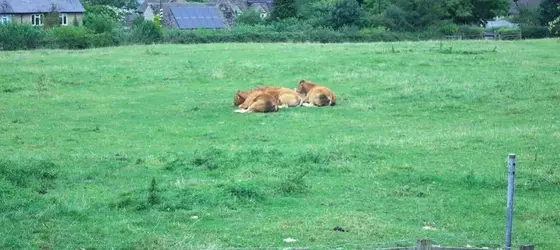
(424, 244)
(527, 247)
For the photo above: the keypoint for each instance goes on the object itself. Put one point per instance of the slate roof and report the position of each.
(197, 17)
(266, 4)
(155, 4)
(193, 16)
(500, 23)
(40, 6)
(244, 5)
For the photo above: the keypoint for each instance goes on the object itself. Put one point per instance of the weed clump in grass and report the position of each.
(295, 184)
(37, 175)
(209, 159)
(246, 192)
(153, 199)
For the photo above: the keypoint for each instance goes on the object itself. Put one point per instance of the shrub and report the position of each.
(98, 23)
(371, 31)
(470, 31)
(146, 32)
(534, 31)
(104, 39)
(68, 38)
(15, 37)
(448, 29)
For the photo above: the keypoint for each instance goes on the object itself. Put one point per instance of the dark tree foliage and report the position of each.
(347, 13)
(488, 9)
(284, 9)
(549, 11)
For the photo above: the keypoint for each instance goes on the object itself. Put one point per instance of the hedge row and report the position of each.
(17, 37)
(21, 37)
(320, 36)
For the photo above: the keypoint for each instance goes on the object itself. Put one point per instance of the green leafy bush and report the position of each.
(16, 37)
(104, 39)
(102, 10)
(99, 23)
(146, 32)
(470, 31)
(534, 31)
(449, 28)
(68, 38)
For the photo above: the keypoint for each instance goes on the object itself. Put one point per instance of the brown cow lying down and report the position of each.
(315, 94)
(284, 96)
(256, 101)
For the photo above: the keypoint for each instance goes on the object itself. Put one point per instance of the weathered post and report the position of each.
(509, 208)
(424, 244)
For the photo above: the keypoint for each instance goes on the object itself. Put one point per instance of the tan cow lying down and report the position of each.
(315, 94)
(285, 97)
(255, 101)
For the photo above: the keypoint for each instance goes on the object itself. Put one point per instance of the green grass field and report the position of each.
(415, 148)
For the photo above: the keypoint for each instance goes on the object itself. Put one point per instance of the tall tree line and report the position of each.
(408, 15)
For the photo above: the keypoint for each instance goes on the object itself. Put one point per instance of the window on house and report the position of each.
(37, 20)
(63, 19)
(5, 19)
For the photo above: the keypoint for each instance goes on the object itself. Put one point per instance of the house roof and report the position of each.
(40, 6)
(197, 16)
(500, 23)
(155, 4)
(513, 8)
(244, 5)
(260, 1)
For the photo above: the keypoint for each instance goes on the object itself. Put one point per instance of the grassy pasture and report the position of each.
(415, 148)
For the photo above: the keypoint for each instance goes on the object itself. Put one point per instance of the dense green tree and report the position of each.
(305, 8)
(413, 14)
(488, 9)
(101, 10)
(284, 9)
(549, 11)
(527, 15)
(410, 15)
(459, 11)
(347, 13)
(376, 6)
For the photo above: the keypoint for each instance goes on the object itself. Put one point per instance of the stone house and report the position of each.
(229, 9)
(33, 11)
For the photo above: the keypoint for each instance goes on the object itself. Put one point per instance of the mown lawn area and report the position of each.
(138, 147)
